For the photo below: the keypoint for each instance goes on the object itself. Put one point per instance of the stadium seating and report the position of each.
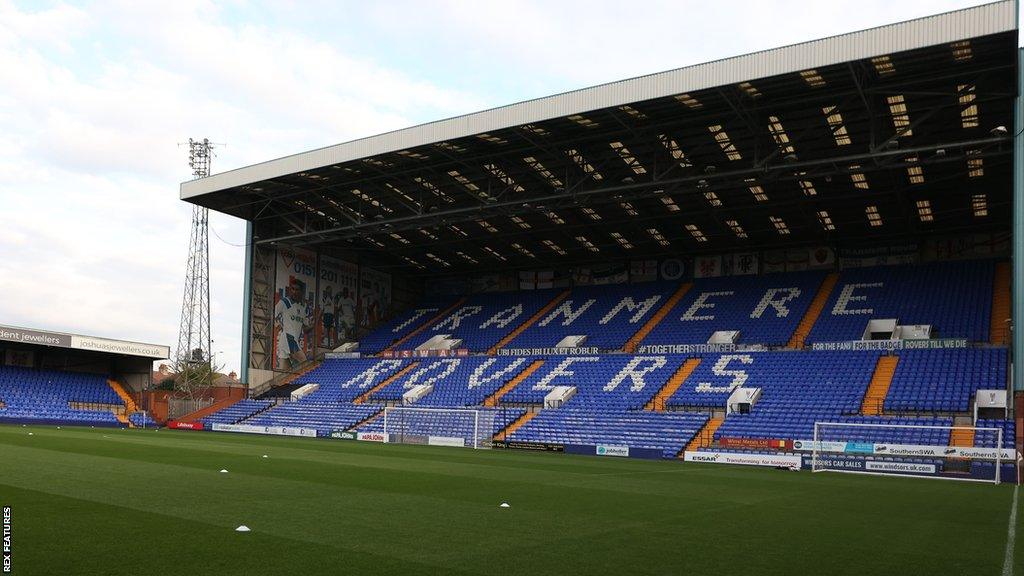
(608, 383)
(955, 298)
(347, 379)
(403, 324)
(606, 315)
(43, 396)
(764, 309)
(665, 431)
(324, 416)
(418, 423)
(483, 320)
(236, 412)
(457, 381)
(945, 380)
(142, 420)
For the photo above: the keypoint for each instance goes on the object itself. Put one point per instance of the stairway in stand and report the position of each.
(530, 321)
(657, 403)
(515, 425)
(366, 395)
(999, 329)
(129, 404)
(492, 400)
(813, 311)
(705, 437)
(644, 330)
(878, 389)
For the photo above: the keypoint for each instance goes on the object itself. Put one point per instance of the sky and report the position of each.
(96, 99)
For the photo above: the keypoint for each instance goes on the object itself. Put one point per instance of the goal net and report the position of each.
(946, 452)
(439, 426)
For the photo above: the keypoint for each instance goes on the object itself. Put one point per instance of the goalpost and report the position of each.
(907, 450)
(462, 427)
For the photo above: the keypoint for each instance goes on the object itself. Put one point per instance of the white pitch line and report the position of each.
(1011, 536)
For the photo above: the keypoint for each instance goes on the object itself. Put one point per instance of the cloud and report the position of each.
(95, 99)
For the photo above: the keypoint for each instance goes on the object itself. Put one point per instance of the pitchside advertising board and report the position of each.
(771, 460)
(272, 430)
(909, 450)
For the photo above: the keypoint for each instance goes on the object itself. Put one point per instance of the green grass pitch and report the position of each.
(110, 502)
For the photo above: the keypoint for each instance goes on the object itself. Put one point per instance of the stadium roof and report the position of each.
(882, 134)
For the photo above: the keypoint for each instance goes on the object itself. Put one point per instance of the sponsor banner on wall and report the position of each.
(899, 467)
(294, 303)
(756, 443)
(374, 296)
(773, 261)
(878, 256)
(343, 435)
(336, 301)
(272, 430)
(743, 264)
(424, 353)
(823, 446)
(579, 350)
(821, 257)
(911, 450)
(833, 463)
(672, 269)
(612, 450)
(933, 344)
(643, 270)
(685, 348)
(446, 441)
(519, 445)
(772, 460)
(707, 266)
(184, 425)
(968, 246)
(370, 436)
(44, 338)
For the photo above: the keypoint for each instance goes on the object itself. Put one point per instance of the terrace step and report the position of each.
(657, 403)
(437, 318)
(963, 438)
(705, 437)
(999, 329)
(123, 394)
(123, 419)
(515, 425)
(530, 321)
(878, 389)
(644, 330)
(813, 311)
(493, 399)
(366, 395)
(366, 420)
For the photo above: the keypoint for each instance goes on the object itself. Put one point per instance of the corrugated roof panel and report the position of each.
(929, 31)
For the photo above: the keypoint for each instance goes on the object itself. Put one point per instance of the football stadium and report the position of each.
(752, 316)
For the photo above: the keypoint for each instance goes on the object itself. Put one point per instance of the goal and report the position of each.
(910, 450)
(462, 427)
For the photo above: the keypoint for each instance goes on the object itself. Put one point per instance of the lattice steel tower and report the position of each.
(194, 358)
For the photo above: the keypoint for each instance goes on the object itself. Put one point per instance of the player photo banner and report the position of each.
(294, 303)
(336, 302)
(374, 296)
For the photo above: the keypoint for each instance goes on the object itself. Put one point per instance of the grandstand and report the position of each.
(707, 260)
(70, 379)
